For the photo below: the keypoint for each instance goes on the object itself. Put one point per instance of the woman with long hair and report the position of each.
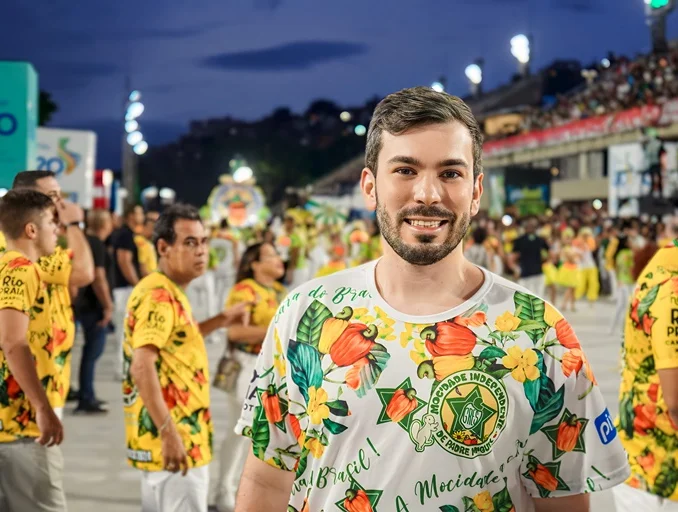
(256, 284)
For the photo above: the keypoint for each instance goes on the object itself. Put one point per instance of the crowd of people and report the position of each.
(422, 353)
(617, 84)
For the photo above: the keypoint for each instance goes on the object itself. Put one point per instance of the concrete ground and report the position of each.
(98, 478)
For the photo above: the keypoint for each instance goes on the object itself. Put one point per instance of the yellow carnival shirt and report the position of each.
(55, 272)
(3, 242)
(159, 314)
(20, 290)
(651, 344)
(147, 256)
(265, 302)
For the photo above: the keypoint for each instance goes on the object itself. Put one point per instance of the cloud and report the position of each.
(294, 56)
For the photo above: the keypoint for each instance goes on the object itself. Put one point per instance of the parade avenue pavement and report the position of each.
(98, 478)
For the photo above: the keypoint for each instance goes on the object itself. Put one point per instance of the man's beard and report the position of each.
(425, 252)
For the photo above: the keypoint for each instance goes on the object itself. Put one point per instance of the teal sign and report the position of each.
(18, 119)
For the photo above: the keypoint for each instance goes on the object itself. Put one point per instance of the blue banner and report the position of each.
(18, 119)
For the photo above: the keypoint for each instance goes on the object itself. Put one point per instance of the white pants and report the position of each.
(623, 293)
(235, 448)
(162, 491)
(533, 283)
(628, 499)
(120, 298)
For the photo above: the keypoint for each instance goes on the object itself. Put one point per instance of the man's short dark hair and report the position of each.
(164, 227)
(29, 179)
(420, 106)
(129, 210)
(18, 208)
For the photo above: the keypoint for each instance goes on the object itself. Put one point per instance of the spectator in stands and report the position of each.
(653, 148)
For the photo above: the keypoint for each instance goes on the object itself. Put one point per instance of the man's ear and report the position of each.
(477, 194)
(368, 185)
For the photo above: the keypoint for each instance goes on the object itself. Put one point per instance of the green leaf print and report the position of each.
(533, 387)
(338, 407)
(530, 310)
(449, 508)
(306, 368)
(311, 323)
(60, 360)
(665, 483)
(334, 427)
(626, 415)
(645, 369)
(4, 396)
(146, 424)
(260, 433)
(370, 373)
(648, 300)
(192, 421)
(303, 463)
(502, 500)
(548, 411)
(491, 353)
(469, 504)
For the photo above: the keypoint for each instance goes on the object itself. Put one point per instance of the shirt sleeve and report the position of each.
(573, 446)
(663, 324)
(266, 418)
(153, 319)
(98, 253)
(24, 286)
(57, 267)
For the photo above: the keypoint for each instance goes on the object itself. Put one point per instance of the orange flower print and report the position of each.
(207, 415)
(573, 361)
(634, 312)
(477, 319)
(566, 335)
(23, 418)
(59, 335)
(199, 377)
(648, 321)
(674, 282)
(645, 418)
(195, 454)
(646, 461)
(172, 395)
(13, 389)
(19, 262)
(160, 295)
(653, 391)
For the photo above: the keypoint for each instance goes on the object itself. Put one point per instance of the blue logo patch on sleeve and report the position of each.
(605, 427)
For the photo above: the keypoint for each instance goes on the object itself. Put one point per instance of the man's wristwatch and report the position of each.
(79, 224)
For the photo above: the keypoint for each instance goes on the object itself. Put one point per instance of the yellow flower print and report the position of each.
(362, 315)
(551, 314)
(386, 333)
(483, 500)
(406, 335)
(317, 410)
(383, 317)
(278, 357)
(522, 363)
(507, 322)
(315, 448)
(418, 355)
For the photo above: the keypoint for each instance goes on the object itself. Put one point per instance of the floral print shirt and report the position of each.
(21, 289)
(159, 314)
(477, 408)
(651, 344)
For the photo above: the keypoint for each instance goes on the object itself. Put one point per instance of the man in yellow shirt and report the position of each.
(61, 270)
(30, 471)
(148, 260)
(166, 387)
(648, 407)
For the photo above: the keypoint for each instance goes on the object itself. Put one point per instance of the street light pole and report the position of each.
(133, 143)
(656, 12)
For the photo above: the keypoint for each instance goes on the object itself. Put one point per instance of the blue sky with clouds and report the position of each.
(195, 59)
